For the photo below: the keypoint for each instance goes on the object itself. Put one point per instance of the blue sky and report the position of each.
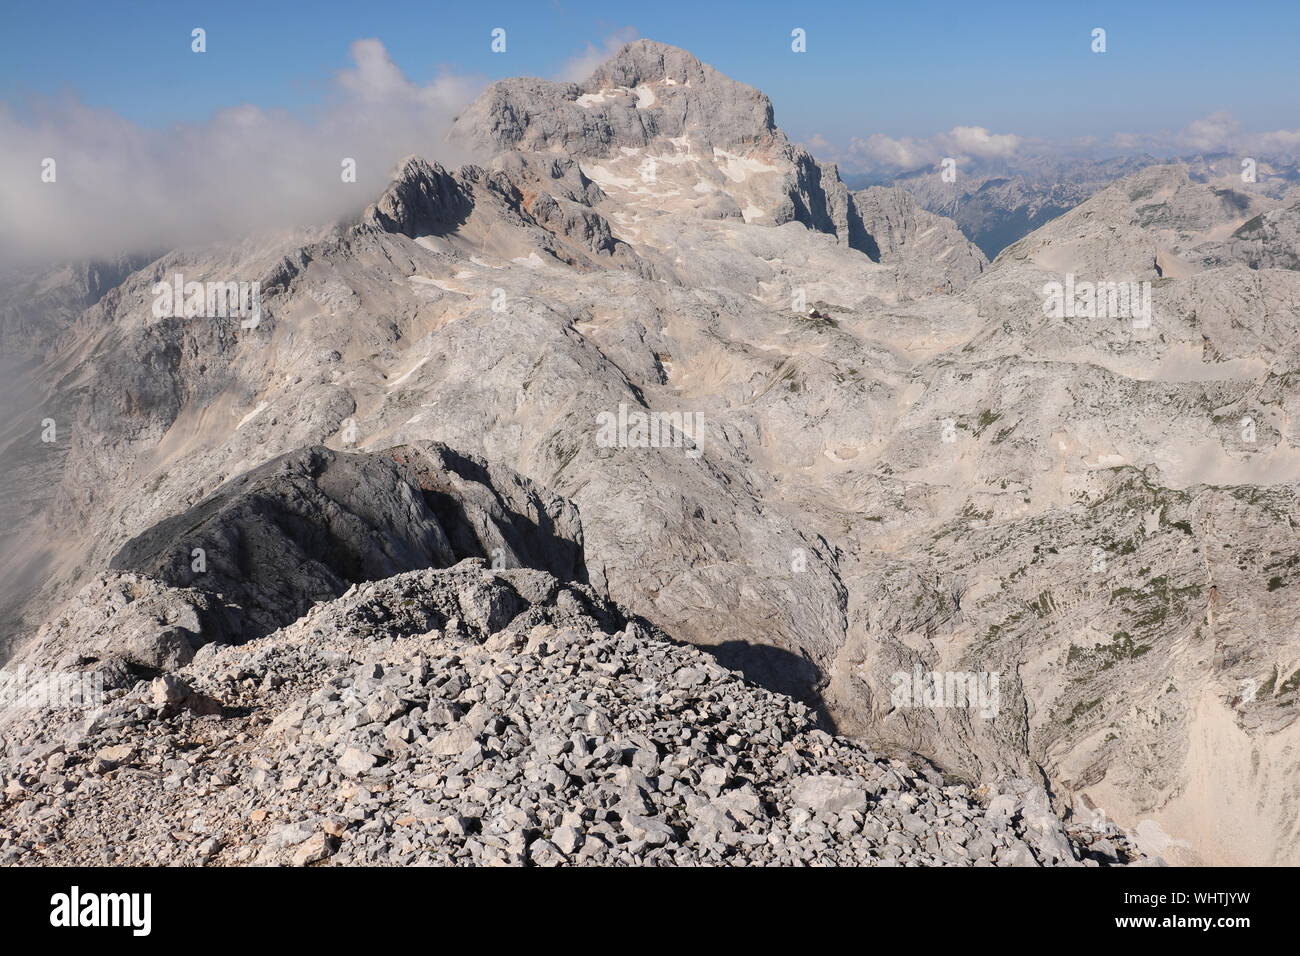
(904, 69)
(156, 145)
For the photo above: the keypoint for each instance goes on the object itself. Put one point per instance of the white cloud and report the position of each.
(1218, 132)
(979, 142)
(817, 143)
(879, 150)
(962, 143)
(121, 187)
(1130, 141)
(1212, 132)
(1278, 141)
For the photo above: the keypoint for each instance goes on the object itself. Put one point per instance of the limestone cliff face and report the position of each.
(929, 249)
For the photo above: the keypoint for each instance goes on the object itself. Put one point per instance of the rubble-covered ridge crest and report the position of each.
(479, 716)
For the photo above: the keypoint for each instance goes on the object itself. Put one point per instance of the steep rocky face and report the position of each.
(424, 200)
(517, 210)
(929, 249)
(471, 717)
(850, 480)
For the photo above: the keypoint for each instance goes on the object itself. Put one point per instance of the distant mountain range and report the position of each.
(994, 204)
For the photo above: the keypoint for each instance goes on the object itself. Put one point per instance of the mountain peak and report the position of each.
(648, 61)
(647, 90)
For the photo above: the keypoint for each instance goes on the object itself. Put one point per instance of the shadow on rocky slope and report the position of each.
(305, 526)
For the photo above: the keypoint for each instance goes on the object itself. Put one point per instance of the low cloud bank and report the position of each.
(120, 188)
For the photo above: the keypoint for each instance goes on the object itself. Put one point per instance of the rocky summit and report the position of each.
(798, 530)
